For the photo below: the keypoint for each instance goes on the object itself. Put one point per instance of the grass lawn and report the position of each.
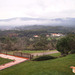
(3, 60)
(29, 51)
(38, 51)
(60, 66)
(55, 54)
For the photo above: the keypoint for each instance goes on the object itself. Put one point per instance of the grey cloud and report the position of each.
(47, 9)
(37, 21)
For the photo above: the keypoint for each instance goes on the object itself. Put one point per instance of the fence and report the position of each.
(26, 55)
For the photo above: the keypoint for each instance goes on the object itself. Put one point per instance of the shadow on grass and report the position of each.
(44, 57)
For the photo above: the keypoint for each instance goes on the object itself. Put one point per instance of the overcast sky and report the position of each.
(37, 9)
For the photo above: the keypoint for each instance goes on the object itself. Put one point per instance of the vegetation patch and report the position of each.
(60, 66)
(44, 57)
(55, 54)
(66, 45)
(29, 51)
(3, 61)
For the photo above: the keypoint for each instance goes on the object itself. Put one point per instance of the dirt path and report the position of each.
(17, 60)
(44, 53)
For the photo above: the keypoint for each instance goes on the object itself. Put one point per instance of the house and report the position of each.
(47, 35)
(56, 34)
(35, 36)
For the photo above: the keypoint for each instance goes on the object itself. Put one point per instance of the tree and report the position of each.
(41, 43)
(72, 42)
(8, 45)
(20, 44)
(66, 44)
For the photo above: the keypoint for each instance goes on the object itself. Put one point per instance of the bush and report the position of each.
(66, 45)
(44, 57)
(72, 52)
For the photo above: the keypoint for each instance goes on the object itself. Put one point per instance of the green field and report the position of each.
(36, 51)
(30, 51)
(55, 54)
(60, 66)
(3, 60)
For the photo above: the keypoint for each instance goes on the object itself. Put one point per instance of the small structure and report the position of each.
(56, 34)
(73, 69)
(36, 36)
(47, 35)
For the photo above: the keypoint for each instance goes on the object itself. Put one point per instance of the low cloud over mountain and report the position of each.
(37, 21)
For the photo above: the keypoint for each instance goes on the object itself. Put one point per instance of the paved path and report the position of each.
(44, 53)
(17, 60)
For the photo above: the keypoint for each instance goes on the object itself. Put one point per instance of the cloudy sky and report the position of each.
(48, 9)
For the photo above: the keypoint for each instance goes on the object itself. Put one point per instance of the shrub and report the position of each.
(72, 52)
(66, 44)
(44, 57)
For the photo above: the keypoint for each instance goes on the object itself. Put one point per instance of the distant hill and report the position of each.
(30, 31)
(40, 27)
(48, 29)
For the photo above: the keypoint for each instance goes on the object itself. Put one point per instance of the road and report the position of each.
(44, 53)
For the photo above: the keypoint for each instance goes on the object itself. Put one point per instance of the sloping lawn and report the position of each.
(60, 66)
(55, 54)
(3, 60)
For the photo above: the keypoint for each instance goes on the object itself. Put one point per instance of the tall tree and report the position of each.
(66, 44)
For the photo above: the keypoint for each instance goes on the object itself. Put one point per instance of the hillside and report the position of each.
(30, 31)
(48, 28)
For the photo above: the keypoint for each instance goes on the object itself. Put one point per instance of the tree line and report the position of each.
(26, 43)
